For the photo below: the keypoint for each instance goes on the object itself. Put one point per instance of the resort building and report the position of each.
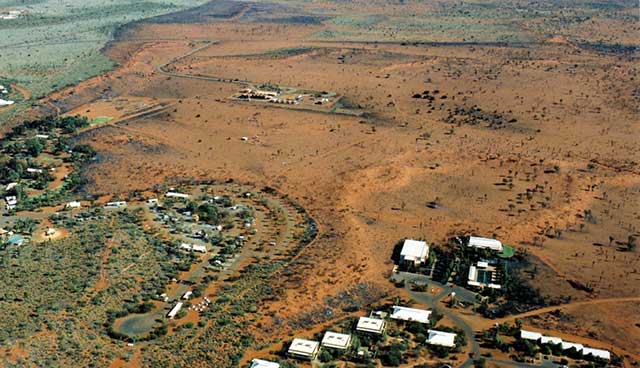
(304, 349)
(410, 314)
(414, 252)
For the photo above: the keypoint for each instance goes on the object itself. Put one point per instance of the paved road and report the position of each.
(432, 301)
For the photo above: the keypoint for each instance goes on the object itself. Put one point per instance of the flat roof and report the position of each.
(485, 243)
(568, 345)
(175, 310)
(336, 340)
(598, 353)
(194, 247)
(414, 249)
(303, 347)
(410, 314)
(441, 338)
(550, 340)
(259, 363)
(368, 324)
(530, 335)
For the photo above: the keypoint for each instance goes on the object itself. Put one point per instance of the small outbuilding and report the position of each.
(259, 363)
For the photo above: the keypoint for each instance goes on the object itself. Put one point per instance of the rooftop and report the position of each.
(485, 243)
(413, 250)
(303, 347)
(441, 338)
(259, 363)
(367, 324)
(336, 340)
(410, 314)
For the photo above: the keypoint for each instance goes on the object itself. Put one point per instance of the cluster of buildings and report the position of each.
(9, 15)
(374, 324)
(268, 96)
(585, 351)
(415, 254)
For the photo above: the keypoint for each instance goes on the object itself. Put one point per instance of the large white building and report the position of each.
(551, 340)
(410, 314)
(530, 335)
(596, 353)
(485, 243)
(259, 363)
(441, 338)
(414, 252)
(336, 340)
(304, 349)
(372, 325)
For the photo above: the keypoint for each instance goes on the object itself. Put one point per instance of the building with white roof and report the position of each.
(304, 349)
(584, 350)
(410, 314)
(530, 335)
(12, 202)
(550, 340)
(176, 195)
(568, 345)
(73, 204)
(414, 252)
(174, 311)
(336, 340)
(372, 325)
(441, 338)
(193, 247)
(596, 353)
(259, 363)
(485, 243)
(118, 204)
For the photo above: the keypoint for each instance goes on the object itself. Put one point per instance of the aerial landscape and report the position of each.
(319, 183)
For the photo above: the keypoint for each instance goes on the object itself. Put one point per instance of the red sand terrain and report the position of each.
(572, 151)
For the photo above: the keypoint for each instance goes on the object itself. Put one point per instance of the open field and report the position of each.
(512, 120)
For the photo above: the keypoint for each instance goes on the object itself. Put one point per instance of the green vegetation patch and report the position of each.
(101, 120)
